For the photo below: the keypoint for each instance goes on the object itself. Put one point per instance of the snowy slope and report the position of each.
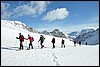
(69, 56)
(16, 25)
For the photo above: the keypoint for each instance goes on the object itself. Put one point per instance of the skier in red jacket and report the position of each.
(31, 40)
(21, 39)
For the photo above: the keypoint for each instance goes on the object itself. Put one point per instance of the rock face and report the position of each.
(91, 37)
(85, 31)
(30, 29)
(45, 32)
(77, 33)
(57, 33)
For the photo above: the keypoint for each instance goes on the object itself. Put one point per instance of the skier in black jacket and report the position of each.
(41, 40)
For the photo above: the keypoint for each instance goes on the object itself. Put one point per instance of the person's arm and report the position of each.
(26, 38)
(39, 40)
(43, 37)
(17, 38)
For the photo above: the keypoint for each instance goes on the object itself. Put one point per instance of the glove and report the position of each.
(16, 37)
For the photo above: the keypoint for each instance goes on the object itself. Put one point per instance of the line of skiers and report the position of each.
(78, 43)
(31, 39)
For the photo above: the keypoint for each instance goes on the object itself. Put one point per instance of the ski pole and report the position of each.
(15, 43)
(38, 44)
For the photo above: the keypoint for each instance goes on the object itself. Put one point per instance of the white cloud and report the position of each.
(5, 13)
(40, 6)
(59, 13)
(24, 10)
(4, 6)
(31, 8)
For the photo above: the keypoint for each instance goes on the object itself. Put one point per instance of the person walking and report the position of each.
(21, 39)
(53, 42)
(86, 43)
(62, 43)
(80, 43)
(30, 41)
(74, 43)
(41, 40)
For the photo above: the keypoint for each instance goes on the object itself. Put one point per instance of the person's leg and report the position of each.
(64, 45)
(61, 45)
(53, 45)
(31, 45)
(42, 44)
(22, 45)
(74, 45)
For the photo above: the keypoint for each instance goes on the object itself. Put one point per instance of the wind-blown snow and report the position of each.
(68, 56)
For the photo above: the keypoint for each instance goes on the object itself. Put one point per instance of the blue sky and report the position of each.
(67, 16)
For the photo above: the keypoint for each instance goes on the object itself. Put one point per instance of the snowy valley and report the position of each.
(69, 56)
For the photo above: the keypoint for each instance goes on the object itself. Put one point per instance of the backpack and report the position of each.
(53, 40)
(32, 39)
(22, 38)
(42, 38)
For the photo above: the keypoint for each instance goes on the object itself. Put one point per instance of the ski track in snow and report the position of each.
(55, 59)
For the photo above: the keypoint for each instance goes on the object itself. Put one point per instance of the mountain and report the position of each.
(45, 32)
(85, 31)
(57, 33)
(91, 37)
(73, 35)
(77, 33)
(17, 25)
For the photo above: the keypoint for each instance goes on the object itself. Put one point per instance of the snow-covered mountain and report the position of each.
(73, 35)
(84, 31)
(77, 33)
(68, 56)
(45, 32)
(57, 33)
(91, 37)
(17, 25)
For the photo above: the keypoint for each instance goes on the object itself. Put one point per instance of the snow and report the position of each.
(69, 56)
